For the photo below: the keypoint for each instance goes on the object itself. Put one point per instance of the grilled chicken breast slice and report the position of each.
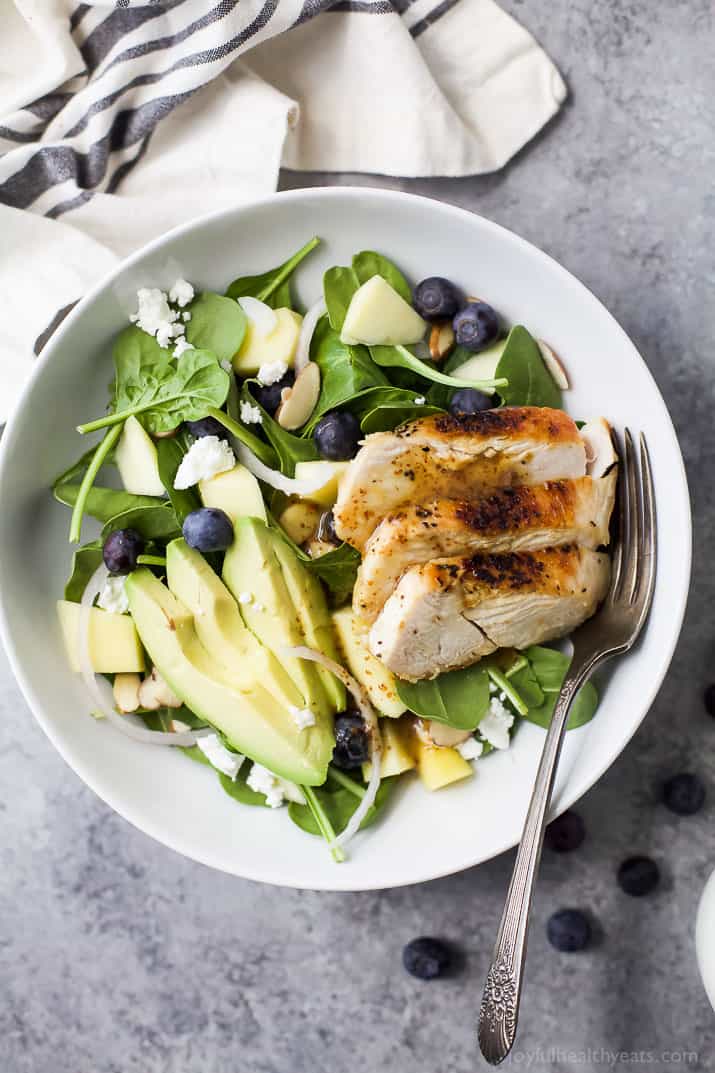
(511, 519)
(450, 612)
(441, 455)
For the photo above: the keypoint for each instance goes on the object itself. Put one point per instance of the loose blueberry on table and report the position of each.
(638, 876)
(565, 833)
(121, 550)
(568, 930)
(684, 794)
(208, 529)
(426, 958)
(337, 436)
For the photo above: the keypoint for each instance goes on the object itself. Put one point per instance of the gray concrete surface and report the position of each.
(118, 956)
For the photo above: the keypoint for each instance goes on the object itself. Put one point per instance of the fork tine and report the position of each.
(632, 549)
(648, 557)
(621, 534)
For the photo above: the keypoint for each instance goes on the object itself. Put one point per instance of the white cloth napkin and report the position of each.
(120, 119)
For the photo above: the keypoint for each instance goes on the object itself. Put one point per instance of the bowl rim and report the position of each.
(570, 794)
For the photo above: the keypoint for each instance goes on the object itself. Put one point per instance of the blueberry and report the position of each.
(208, 529)
(121, 549)
(476, 326)
(351, 741)
(709, 698)
(638, 876)
(684, 794)
(269, 395)
(426, 958)
(568, 930)
(436, 298)
(326, 528)
(565, 833)
(336, 436)
(206, 426)
(467, 400)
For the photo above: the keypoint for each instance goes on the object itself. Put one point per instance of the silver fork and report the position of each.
(612, 631)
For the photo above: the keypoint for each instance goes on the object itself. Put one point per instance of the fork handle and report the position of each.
(500, 1001)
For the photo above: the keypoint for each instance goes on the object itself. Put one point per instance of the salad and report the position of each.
(333, 542)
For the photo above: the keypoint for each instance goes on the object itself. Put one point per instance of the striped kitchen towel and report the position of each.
(121, 119)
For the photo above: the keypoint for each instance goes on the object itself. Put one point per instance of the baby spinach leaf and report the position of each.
(78, 468)
(261, 450)
(104, 503)
(337, 569)
(84, 562)
(345, 370)
(170, 452)
(458, 357)
(458, 698)
(217, 324)
(527, 686)
(338, 804)
(238, 788)
(402, 358)
(339, 286)
(386, 417)
(528, 381)
(167, 391)
(289, 448)
(152, 523)
(367, 264)
(273, 286)
(549, 667)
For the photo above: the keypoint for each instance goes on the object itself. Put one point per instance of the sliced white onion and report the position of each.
(292, 486)
(100, 690)
(368, 713)
(261, 316)
(310, 320)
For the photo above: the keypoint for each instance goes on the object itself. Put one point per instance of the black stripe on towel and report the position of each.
(434, 16)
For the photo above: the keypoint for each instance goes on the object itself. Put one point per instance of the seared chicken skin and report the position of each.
(450, 612)
(455, 457)
(511, 519)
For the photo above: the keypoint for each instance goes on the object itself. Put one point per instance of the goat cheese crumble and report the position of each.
(181, 293)
(182, 346)
(250, 415)
(219, 756)
(302, 717)
(470, 749)
(113, 596)
(420, 400)
(271, 372)
(496, 724)
(205, 458)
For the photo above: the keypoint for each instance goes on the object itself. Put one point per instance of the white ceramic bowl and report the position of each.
(180, 803)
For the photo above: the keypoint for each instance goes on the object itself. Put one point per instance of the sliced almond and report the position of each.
(155, 692)
(442, 735)
(473, 298)
(296, 408)
(126, 692)
(600, 451)
(441, 341)
(166, 435)
(554, 365)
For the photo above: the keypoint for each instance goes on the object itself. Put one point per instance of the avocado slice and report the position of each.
(220, 628)
(309, 600)
(249, 719)
(253, 574)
